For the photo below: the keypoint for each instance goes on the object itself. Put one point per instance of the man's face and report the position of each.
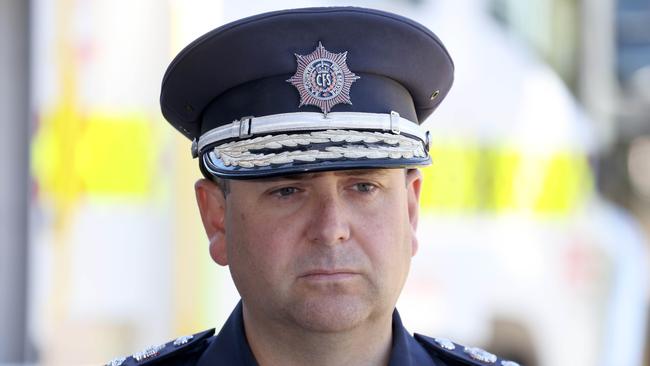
(322, 251)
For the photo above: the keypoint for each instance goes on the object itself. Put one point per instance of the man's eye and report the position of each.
(365, 187)
(285, 191)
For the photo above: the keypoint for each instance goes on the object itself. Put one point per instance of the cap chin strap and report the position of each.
(309, 121)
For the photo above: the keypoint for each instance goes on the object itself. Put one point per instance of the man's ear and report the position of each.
(413, 186)
(212, 206)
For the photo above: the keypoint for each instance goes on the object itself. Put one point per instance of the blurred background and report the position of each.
(535, 214)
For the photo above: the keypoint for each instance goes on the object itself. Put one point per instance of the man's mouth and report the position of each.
(329, 274)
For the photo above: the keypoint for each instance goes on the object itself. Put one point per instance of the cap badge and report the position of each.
(323, 79)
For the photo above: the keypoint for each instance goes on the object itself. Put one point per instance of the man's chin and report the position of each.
(332, 313)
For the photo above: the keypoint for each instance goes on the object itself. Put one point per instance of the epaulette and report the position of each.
(456, 354)
(164, 351)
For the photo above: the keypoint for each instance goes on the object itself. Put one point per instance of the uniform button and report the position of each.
(508, 363)
(445, 343)
(182, 340)
(480, 354)
(117, 361)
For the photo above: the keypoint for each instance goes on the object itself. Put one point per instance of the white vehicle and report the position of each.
(518, 253)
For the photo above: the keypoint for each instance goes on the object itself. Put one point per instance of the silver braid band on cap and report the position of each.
(369, 145)
(302, 122)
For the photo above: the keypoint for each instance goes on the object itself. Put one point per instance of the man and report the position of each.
(306, 126)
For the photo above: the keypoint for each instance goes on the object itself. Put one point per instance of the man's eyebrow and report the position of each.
(363, 172)
(306, 176)
(286, 177)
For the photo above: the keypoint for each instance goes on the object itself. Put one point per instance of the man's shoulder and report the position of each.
(183, 350)
(455, 354)
(186, 350)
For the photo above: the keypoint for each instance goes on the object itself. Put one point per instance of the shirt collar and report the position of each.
(405, 350)
(230, 346)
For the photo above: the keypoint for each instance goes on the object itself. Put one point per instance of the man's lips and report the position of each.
(329, 274)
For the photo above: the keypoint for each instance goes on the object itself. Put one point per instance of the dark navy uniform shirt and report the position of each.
(231, 348)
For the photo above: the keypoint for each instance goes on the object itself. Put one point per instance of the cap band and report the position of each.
(310, 121)
(335, 144)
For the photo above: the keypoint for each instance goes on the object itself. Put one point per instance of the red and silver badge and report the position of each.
(323, 79)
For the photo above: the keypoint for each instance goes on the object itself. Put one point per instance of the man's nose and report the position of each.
(329, 224)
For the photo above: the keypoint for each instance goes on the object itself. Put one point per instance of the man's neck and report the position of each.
(277, 344)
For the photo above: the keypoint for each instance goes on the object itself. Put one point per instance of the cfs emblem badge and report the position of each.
(323, 79)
